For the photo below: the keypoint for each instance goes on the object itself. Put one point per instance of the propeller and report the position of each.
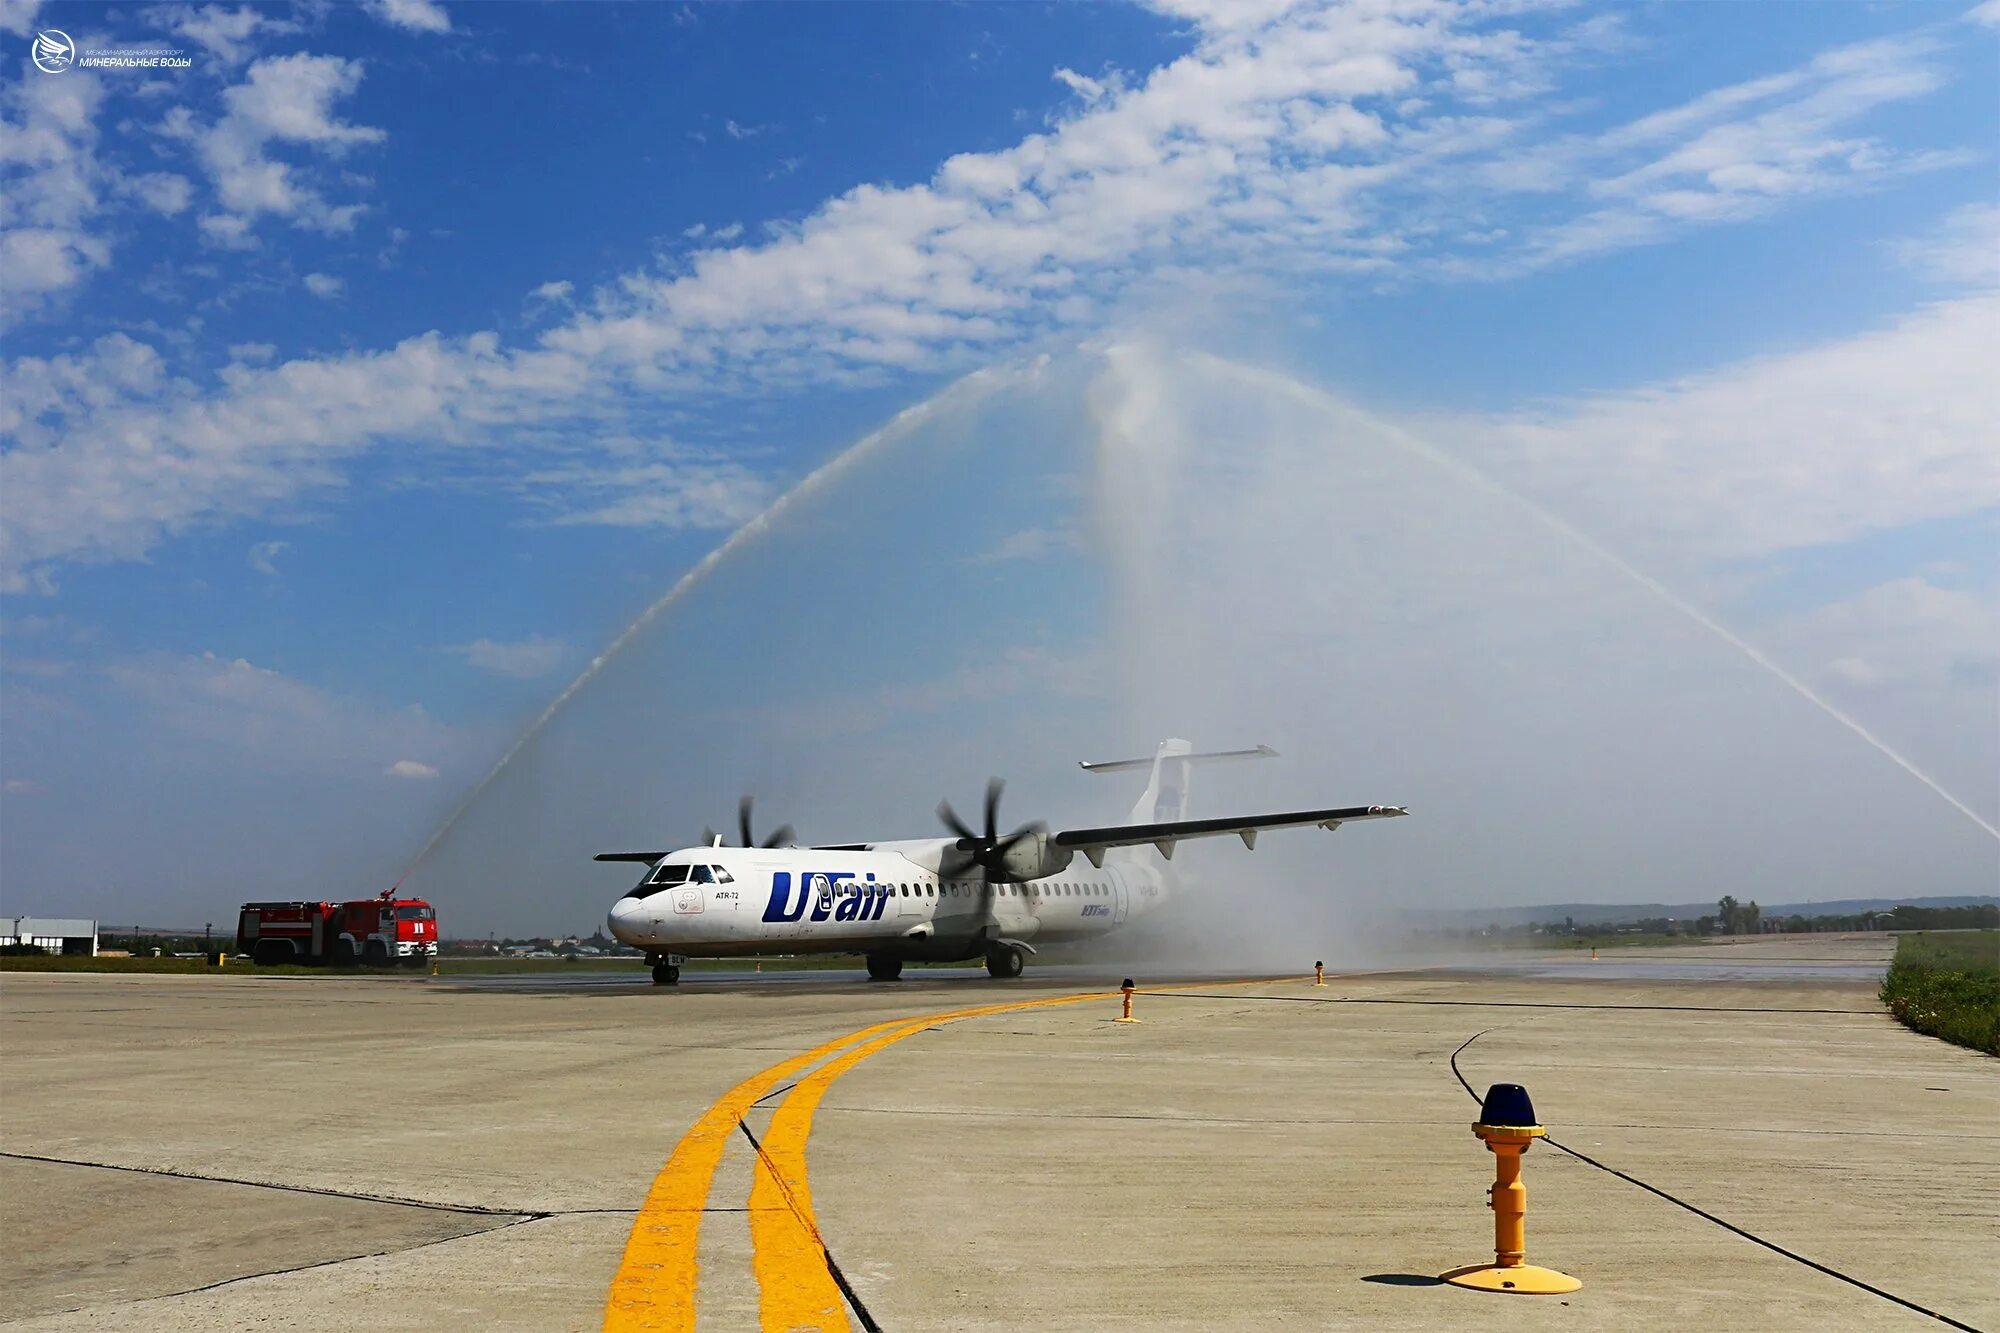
(988, 850)
(782, 836)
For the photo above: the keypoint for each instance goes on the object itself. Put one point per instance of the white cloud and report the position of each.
(227, 35)
(251, 351)
(1987, 12)
(1028, 544)
(670, 494)
(1963, 249)
(553, 292)
(1089, 89)
(273, 721)
(263, 556)
(523, 659)
(51, 187)
(325, 285)
(410, 768)
(1811, 447)
(1732, 154)
(416, 15)
(228, 230)
(283, 99)
(1906, 632)
(161, 191)
(18, 16)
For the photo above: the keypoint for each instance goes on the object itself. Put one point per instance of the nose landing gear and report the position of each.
(666, 969)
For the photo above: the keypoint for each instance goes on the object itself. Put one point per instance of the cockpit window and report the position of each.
(700, 875)
(664, 877)
(722, 876)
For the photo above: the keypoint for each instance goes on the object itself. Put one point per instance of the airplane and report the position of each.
(975, 894)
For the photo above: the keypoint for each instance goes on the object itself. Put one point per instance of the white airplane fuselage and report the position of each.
(898, 898)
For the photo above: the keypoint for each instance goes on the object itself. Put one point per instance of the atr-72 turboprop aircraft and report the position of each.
(972, 895)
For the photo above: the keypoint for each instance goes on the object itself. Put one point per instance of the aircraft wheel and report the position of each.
(1004, 961)
(884, 967)
(666, 974)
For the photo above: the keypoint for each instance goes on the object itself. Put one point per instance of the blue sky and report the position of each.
(365, 376)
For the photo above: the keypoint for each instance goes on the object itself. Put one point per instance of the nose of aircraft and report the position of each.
(627, 922)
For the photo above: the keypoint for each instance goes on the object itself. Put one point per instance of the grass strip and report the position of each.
(1946, 984)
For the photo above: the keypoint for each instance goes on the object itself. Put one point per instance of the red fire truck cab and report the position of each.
(379, 932)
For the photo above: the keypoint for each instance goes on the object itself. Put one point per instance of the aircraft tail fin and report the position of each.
(1166, 798)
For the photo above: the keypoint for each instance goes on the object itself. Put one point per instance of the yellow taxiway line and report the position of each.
(655, 1284)
(654, 1287)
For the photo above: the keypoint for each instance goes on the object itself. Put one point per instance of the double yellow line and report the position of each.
(655, 1284)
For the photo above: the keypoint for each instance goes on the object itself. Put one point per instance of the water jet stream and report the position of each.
(970, 389)
(1273, 382)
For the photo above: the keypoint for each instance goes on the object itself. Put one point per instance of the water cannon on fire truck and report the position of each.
(376, 932)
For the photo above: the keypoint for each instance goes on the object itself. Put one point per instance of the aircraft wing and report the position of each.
(1093, 842)
(641, 858)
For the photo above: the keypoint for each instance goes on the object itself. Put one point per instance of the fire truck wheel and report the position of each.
(414, 960)
(269, 952)
(666, 974)
(376, 954)
(342, 954)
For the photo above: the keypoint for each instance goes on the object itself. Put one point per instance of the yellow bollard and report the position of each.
(434, 964)
(1126, 1017)
(1507, 1125)
(1319, 974)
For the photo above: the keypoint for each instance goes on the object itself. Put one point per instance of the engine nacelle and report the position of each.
(1034, 857)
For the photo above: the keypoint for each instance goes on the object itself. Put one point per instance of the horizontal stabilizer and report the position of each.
(640, 858)
(1126, 765)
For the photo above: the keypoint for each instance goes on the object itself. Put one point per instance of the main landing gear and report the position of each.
(1003, 961)
(884, 967)
(666, 974)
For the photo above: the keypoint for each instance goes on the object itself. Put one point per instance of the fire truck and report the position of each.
(377, 932)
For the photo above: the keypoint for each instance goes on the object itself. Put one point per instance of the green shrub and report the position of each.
(1947, 987)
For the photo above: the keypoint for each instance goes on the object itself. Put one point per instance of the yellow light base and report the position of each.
(1520, 1280)
(1128, 1020)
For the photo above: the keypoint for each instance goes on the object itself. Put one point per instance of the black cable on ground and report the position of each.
(832, 1268)
(471, 1209)
(1707, 1216)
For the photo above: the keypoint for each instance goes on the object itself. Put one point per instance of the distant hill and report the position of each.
(1602, 913)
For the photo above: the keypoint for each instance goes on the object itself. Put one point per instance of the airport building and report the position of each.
(51, 934)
